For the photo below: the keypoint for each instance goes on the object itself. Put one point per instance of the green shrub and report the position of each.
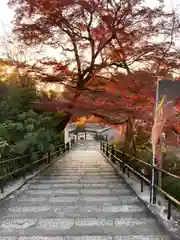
(24, 131)
(170, 163)
(171, 186)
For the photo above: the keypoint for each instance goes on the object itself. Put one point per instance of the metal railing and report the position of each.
(126, 168)
(20, 166)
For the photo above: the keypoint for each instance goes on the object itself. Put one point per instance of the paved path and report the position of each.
(78, 198)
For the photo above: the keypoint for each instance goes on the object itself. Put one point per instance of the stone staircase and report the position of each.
(78, 198)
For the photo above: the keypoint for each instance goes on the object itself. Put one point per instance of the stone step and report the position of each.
(87, 165)
(80, 192)
(97, 173)
(89, 200)
(86, 199)
(76, 227)
(130, 237)
(56, 181)
(85, 181)
(80, 168)
(84, 167)
(83, 171)
(103, 169)
(96, 237)
(76, 211)
(78, 186)
(87, 208)
(58, 214)
(79, 177)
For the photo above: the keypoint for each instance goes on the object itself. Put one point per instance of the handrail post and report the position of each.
(107, 148)
(169, 209)
(67, 147)
(112, 154)
(49, 157)
(103, 147)
(100, 145)
(151, 184)
(71, 142)
(128, 172)
(64, 148)
(123, 166)
(1, 179)
(23, 172)
(142, 185)
(155, 185)
(1, 185)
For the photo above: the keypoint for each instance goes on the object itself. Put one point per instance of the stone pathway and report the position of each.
(78, 198)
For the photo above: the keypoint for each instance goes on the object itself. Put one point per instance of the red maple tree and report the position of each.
(110, 61)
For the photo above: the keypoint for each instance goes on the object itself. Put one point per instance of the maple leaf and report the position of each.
(110, 63)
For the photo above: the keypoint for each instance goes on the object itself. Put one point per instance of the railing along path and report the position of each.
(125, 167)
(19, 166)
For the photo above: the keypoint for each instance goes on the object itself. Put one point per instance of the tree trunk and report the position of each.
(129, 139)
(65, 119)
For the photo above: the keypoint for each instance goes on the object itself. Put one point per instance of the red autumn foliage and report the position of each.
(110, 61)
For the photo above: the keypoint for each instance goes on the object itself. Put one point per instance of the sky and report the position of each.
(6, 15)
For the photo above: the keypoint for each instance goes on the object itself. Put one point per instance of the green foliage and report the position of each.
(170, 162)
(15, 101)
(23, 130)
(172, 187)
(141, 137)
(29, 132)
